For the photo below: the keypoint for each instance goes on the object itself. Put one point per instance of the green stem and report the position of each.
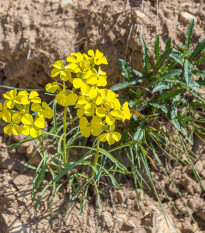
(52, 173)
(65, 156)
(96, 156)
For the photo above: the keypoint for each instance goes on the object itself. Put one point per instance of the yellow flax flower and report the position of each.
(85, 106)
(94, 127)
(12, 98)
(13, 120)
(110, 136)
(43, 110)
(98, 57)
(28, 98)
(65, 74)
(109, 114)
(31, 127)
(107, 96)
(66, 98)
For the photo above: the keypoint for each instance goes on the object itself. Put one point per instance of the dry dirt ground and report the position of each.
(33, 34)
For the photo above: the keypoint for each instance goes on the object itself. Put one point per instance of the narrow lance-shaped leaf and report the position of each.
(199, 48)
(187, 71)
(145, 56)
(162, 59)
(168, 43)
(189, 33)
(156, 48)
(123, 85)
(169, 94)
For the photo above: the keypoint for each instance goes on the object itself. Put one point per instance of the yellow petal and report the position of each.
(35, 132)
(40, 122)
(27, 119)
(16, 129)
(6, 116)
(55, 72)
(85, 89)
(35, 107)
(80, 112)
(101, 112)
(58, 64)
(103, 137)
(52, 87)
(110, 139)
(33, 94)
(71, 99)
(91, 53)
(16, 118)
(85, 132)
(77, 83)
(8, 129)
(83, 122)
(26, 130)
(110, 120)
(116, 136)
(102, 82)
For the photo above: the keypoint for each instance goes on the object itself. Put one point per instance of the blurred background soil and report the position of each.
(36, 33)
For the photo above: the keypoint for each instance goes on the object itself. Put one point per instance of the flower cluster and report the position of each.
(97, 107)
(15, 111)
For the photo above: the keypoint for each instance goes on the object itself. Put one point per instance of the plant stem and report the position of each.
(96, 156)
(65, 156)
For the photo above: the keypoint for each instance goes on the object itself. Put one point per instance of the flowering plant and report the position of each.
(98, 109)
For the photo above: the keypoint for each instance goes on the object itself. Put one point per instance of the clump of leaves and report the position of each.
(167, 94)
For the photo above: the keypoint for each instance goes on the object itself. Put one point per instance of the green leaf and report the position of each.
(156, 48)
(189, 33)
(176, 124)
(177, 59)
(201, 83)
(197, 50)
(169, 94)
(123, 85)
(197, 104)
(160, 106)
(200, 73)
(145, 56)
(160, 86)
(168, 43)
(201, 59)
(171, 73)
(114, 160)
(162, 59)
(187, 71)
(137, 73)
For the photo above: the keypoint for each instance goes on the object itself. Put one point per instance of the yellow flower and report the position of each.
(107, 96)
(94, 127)
(43, 111)
(110, 136)
(65, 73)
(66, 98)
(28, 98)
(126, 114)
(12, 98)
(31, 127)
(109, 114)
(85, 106)
(98, 57)
(82, 84)
(13, 120)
